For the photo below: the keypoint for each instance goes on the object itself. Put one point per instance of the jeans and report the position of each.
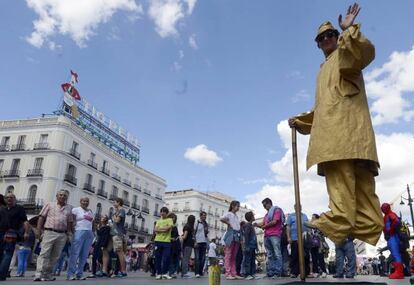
(22, 257)
(186, 259)
(81, 245)
(274, 255)
(174, 263)
(60, 262)
(162, 257)
(345, 250)
(285, 260)
(200, 257)
(6, 254)
(250, 262)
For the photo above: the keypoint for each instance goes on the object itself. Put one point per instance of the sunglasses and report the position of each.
(328, 34)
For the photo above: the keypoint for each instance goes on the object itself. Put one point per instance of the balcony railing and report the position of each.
(74, 153)
(135, 206)
(127, 203)
(35, 172)
(4, 147)
(113, 197)
(127, 182)
(102, 193)
(137, 187)
(116, 177)
(175, 210)
(158, 196)
(32, 206)
(187, 209)
(88, 187)
(18, 147)
(92, 163)
(105, 170)
(11, 173)
(44, 145)
(147, 192)
(143, 230)
(71, 179)
(145, 209)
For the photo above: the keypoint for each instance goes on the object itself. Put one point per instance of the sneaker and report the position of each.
(37, 278)
(73, 278)
(124, 274)
(349, 276)
(80, 278)
(187, 276)
(48, 279)
(158, 277)
(238, 277)
(197, 276)
(324, 275)
(120, 275)
(230, 277)
(339, 276)
(166, 276)
(293, 275)
(173, 276)
(255, 277)
(249, 277)
(92, 276)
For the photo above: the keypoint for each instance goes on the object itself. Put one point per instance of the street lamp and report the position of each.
(410, 203)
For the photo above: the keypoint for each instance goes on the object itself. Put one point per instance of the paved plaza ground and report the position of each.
(135, 278)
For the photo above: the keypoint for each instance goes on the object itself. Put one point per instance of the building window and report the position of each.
(10, 189)
(114, 191)
(156, 208)
(32, 194)
(187, 206)
(75, 146)
(5, 141)
(125, 195)
(38, 163)
(43, 138)
(98, 210)
(1, 164)
(92, 157)
(89, 179)
(111, 212)
(15, 164)
(101, 185)
(21, 140)
(71, 170)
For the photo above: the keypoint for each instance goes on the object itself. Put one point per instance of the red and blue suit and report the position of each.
(391, 228)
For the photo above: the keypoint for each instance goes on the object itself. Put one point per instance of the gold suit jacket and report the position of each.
(340, 124)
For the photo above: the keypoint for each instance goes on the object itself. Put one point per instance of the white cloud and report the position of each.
(302, 95)
(76, 18)
(192, 42)
(167, 13)
(388, 86)
(200, 154)
(177, 66)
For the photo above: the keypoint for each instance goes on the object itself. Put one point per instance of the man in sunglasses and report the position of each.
(342, 140)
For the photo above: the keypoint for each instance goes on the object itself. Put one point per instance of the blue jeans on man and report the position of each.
(249, 262)
(6, 254)
(81, 245)
(162, 257)
(22, 258)
(345, 250)
(200, 257)
(274, 256)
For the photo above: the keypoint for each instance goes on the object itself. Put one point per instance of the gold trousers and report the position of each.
(355, 208)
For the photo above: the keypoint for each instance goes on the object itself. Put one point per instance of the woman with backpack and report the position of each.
(317, 249)
(231, 240)
(188, 245)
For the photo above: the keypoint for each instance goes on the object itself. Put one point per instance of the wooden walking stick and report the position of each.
(298, 207)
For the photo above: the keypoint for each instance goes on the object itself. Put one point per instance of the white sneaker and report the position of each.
(166, 276)
(249, 277)
(324, 275)
(230, 277)
(197, 276)
(255, 277)
(158, 277)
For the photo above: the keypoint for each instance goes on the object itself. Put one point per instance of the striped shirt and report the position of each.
(57, 217)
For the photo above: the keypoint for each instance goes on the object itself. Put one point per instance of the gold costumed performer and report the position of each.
(342, 140)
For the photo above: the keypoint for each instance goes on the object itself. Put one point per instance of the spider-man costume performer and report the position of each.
(391, 228)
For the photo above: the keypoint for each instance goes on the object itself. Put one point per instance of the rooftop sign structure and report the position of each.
(96, 123)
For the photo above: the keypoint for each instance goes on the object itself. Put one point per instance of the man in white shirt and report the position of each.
(200, 246)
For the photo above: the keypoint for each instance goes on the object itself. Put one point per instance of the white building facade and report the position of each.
(40, 156)
(191, 202)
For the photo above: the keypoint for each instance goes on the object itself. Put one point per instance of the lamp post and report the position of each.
(410, 204)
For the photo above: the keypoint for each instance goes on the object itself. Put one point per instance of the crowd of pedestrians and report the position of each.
(71, 235)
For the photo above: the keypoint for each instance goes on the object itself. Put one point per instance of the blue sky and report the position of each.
(251, 64)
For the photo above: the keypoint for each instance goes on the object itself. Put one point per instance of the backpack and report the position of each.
(272, 214)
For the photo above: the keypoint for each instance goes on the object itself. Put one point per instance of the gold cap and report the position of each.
(325, 27)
